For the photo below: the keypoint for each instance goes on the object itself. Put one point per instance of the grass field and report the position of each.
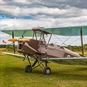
(12, 74)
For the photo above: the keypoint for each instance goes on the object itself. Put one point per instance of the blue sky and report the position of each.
(26, 14)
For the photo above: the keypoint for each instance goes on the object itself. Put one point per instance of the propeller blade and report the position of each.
(19, 39)
(23, 39)
(12, 39)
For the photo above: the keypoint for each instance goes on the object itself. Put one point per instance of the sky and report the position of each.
(26, 14)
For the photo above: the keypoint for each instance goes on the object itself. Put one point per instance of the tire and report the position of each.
(28, 68)
(46, 71)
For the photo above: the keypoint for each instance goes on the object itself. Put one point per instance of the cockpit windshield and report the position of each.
(40, 35)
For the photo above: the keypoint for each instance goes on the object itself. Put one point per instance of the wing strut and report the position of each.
(82, 42)
(13, 42)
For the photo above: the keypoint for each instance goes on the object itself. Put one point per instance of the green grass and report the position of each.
(12, 74)
(85, 53)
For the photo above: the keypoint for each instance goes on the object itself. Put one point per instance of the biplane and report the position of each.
(42, 51)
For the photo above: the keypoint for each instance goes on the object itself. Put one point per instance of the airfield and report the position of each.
(12, 74)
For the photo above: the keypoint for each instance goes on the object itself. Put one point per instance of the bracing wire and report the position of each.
(75, 40)
(58, 38)
(85, 39)
(61, 40)
(66, 40)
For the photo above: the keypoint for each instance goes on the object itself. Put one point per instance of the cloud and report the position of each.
(64, 3)
(17, 11)
(24, 14)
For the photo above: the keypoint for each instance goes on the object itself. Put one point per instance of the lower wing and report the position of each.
(16, 55)
(69, 61)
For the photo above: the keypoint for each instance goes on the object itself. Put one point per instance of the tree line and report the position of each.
(73, 48)
(77, 48)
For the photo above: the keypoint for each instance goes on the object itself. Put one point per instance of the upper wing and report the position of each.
(19, 33)
(69, 61)
(67, 31)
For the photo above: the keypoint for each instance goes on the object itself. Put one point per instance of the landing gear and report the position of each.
(38, 62)
(46, 71)
(28, 68)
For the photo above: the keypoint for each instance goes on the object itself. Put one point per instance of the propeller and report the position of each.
(13, 40)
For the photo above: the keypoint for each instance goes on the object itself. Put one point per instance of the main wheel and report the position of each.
(28, 68)
(46, 71)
